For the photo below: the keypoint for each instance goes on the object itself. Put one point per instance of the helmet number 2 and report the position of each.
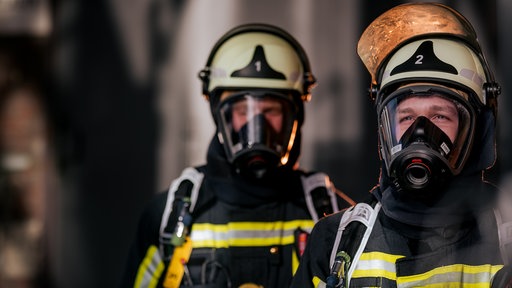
(419, 59)
(258, 66)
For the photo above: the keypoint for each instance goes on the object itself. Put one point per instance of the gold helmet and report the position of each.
(430, 50)
(392, 35)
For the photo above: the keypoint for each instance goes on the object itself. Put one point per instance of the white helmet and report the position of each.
(448, 62)
(257, 56)
(251, 64)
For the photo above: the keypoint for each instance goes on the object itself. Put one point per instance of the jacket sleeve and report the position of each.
(145, 242)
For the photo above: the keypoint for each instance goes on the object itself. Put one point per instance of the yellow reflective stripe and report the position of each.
(376, 264)
(295, 261)
(391, 258)
(317, 282)
(449, 285)
(244, 234)
(255, 226)
(150, 269)
(454, 276)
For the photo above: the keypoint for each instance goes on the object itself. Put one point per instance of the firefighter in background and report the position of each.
(250, 208)
(27, 171)
(430, 221)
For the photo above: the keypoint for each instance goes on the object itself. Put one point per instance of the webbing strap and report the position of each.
(310, 184)
(503, 218)
(504, 236)
(195, 178)
(364, 214)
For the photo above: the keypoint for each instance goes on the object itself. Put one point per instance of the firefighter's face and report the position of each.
(439, 110)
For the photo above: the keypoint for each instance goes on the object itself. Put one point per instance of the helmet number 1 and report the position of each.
(258, 66)
(419, 59)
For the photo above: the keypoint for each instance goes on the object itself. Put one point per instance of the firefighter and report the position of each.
(242, 219)
(430, 221)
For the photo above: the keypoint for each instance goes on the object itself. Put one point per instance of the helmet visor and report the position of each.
(419, 108)
(258, 121)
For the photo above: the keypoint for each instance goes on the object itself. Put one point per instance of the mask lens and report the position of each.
(436, 118)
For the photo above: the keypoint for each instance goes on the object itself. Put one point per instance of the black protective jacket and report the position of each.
(408, 248)
(243, 232)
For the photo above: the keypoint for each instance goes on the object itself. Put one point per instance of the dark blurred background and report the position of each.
(100, 108)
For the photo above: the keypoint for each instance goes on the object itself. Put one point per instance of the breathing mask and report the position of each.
(425, 133)
(257, 129)
(423, 53)
(251, 59)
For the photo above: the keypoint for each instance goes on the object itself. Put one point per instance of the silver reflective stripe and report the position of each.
(247, 233)
(382, 265)
(376, 263)
(363, 265)
(318, 283)
(150, 269)
(203, 235)
(458, 276)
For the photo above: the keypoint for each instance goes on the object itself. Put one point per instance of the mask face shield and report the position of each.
(257, 129)
(426, 134)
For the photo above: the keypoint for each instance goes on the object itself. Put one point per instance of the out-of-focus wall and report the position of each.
(27, 164)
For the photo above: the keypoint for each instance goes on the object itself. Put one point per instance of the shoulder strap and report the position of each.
(354, 230)
(503, 217)
(504, 235)
(504, 225)
(181, 201)
(320, 195)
